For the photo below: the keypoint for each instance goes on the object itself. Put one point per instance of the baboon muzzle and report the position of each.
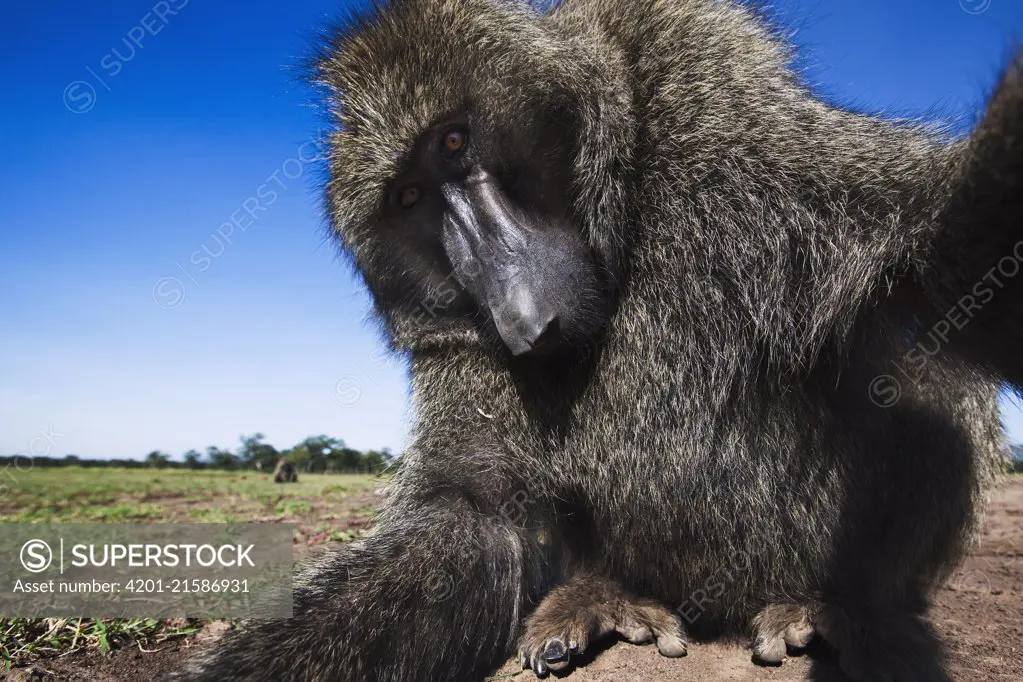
(503, 258)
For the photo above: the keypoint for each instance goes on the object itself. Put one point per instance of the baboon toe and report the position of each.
(779, 628)
(672, 646)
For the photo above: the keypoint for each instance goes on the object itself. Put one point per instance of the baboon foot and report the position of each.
(872, 646)
(781, 628)
(587, 608)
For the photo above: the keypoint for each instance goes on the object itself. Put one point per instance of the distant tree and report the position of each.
(157, 459)
(256, 454)
(314, 454)
(193, 459)
(318, 453)
(375, 460)
(221, 459)
(348, 459)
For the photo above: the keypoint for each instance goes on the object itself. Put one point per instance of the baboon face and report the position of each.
(488, 208)
(453, 180)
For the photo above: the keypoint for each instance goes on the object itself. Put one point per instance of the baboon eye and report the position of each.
(453, 141)
(409, 195)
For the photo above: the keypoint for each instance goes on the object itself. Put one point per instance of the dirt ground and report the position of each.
(978, 612)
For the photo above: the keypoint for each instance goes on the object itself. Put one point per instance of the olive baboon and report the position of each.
(681, 311)
(285, 472)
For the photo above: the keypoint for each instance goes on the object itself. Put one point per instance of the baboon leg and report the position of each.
(588, 607)
(872, 645)
(881, 645)
(780, 627)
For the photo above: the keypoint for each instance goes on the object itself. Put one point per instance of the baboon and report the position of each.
(733, 351)
(285, 472)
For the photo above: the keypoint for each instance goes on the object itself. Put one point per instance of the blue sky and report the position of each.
(132, 134)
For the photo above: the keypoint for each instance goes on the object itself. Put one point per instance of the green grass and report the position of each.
(324, 507)
(75, 494)
(23, 640)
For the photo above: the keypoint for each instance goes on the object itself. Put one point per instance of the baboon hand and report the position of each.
(587, 608)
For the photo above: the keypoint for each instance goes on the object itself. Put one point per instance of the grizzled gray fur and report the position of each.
(677, 330)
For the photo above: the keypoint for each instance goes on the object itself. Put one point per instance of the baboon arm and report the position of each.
(973, 276)
(434, 594)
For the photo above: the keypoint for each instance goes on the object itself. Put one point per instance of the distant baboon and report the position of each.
(681, 336)
(285, 472)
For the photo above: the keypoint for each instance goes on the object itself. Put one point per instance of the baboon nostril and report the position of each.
(537, 331)
(548, 334)
(525, 333)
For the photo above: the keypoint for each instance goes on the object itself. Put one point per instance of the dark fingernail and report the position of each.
(555, 651)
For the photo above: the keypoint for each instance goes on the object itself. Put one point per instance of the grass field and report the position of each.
(324, 507)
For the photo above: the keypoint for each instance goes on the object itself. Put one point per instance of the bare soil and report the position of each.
(978, 613)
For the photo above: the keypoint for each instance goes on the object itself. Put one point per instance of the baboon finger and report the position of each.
(540, 666)
(798, 635)
(778, 627)
(556, 655)
(634, 632)
(664, 628)
(769, 649)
